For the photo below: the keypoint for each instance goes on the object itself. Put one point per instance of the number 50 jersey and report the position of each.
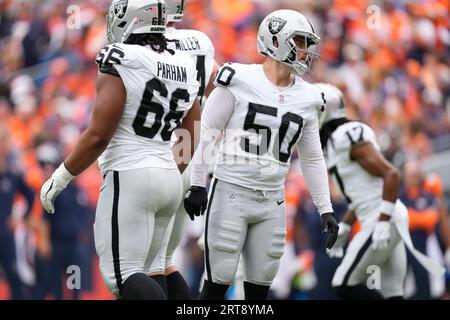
(160, 89)
(266, 123)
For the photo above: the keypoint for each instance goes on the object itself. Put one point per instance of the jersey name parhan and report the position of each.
(160, 90)
(171, 72)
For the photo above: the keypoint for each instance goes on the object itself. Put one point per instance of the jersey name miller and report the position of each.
(172, 72)
(187, 44)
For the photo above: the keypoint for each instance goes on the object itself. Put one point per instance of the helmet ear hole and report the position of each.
(275, 42)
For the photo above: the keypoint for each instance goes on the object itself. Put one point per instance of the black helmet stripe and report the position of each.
(312, 28)
(159, 13)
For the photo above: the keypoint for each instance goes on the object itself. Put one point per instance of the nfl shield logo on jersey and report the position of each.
(276, 25)
(120, 8)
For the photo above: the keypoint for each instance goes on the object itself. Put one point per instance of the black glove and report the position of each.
(195, 201)
(329, 224)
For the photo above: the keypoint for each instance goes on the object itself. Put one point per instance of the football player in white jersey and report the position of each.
(371, 185)
(200, 48)
(261, 111)
(144, 91)
(195, 43)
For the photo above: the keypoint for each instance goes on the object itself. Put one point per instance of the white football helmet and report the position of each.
(335, 107)
(127, 17)
(276, 39)
(175, 10)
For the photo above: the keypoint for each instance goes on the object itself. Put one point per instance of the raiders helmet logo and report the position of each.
(276, 25)
(120, 8)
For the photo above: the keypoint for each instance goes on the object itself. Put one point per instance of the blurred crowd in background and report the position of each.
(390, 58)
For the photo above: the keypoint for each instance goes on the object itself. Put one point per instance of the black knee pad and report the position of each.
(177, 287)
(213, 291)
(255, 291)
(358, 292)
(140, 286)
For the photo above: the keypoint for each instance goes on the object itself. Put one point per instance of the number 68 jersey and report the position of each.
(160, 90)
(266, 123)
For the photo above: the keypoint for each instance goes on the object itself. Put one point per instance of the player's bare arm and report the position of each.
(111, 96)
(349, 217)
(374, 163)
(192, 117)
(109, 105)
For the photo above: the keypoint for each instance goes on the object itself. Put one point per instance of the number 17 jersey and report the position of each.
(160, 90)
(266, 123)
(362, 190)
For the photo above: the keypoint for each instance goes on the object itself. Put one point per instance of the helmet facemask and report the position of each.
(305, 44)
